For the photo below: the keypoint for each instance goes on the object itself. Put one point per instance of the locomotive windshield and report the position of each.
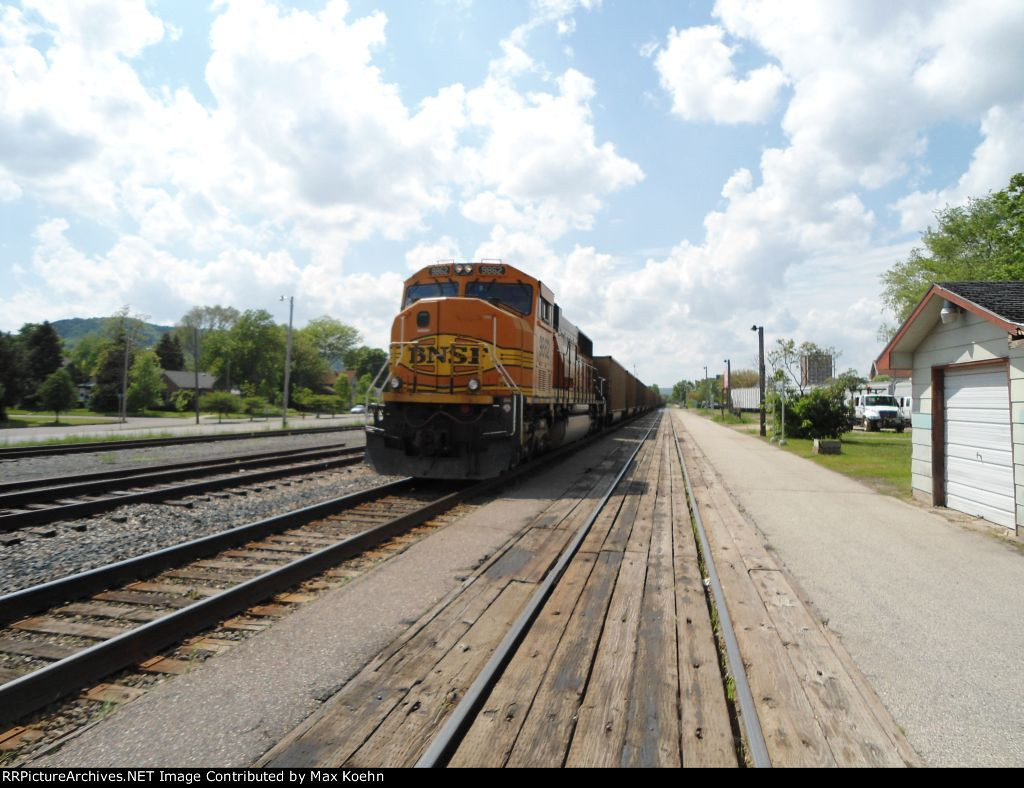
(430, 290)
(515, 295)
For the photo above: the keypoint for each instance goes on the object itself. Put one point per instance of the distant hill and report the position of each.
(73, 329)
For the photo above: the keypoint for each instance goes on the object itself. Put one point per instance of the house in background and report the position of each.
(176, 380)
(963, 346)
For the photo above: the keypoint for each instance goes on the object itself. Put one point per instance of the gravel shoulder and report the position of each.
(137, 529)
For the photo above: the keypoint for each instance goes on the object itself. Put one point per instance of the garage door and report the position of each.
(979, 449)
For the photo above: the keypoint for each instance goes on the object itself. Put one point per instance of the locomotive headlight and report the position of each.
(396, 383)
(506, 407)
(474, 384)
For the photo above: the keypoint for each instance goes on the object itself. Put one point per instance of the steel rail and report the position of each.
(27, 601)
(15, 452)
(32, 490)
(748, 711)
(30, 692)
(23, 519)
(443, 745)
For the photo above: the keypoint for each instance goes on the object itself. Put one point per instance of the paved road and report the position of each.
(932, 611)
(143, 427)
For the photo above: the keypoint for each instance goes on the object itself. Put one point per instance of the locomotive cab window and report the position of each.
(430, 290)
(513, 295)
(545, 310)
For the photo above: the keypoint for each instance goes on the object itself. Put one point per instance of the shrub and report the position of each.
(254, 406)
(820, 413)
(182, 400)
(220, 402)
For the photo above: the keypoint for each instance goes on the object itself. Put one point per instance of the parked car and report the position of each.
(358, 409)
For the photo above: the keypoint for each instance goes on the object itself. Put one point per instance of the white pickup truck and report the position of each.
(875, 410)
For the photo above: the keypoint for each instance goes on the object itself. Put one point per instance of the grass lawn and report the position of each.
(880, 460)
(46, 420)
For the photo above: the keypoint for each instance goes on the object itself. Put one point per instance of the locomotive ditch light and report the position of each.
(474, 384)
(396, 383)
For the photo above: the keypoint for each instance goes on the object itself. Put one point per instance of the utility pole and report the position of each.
(124, 375)
(727, 388)
(760, 370)
(707, 389)
(195, 344)
(287, 360)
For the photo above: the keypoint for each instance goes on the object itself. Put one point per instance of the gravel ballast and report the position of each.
(136, 459)
(137, 529)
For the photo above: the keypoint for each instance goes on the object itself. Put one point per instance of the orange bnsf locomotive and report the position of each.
(484, 371)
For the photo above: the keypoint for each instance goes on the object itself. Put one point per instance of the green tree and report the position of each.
(109, 370)
(13, 373)
(145, 382)
(365, 361)
(58, 393)
(343, 389)
(43, 355)
(86, 355)
(220, 402)
(982, 241)
(680, 391)
(3, 410)
(331, 338)
(123, 333)
(363, 388)
(169, 351)
(258, 352)
(309, 369)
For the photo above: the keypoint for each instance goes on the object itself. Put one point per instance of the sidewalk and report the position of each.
(150, 427)
(930, 611)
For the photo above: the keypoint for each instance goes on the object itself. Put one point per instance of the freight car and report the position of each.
(485, 371)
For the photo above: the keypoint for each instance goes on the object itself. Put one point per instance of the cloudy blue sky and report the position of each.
(676, 171)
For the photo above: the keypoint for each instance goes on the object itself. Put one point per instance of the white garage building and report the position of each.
(964, 348)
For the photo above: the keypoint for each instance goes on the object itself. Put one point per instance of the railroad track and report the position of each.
(189, 587)
(596, 649)
(18, 452)
(36, 502)
(61, 636)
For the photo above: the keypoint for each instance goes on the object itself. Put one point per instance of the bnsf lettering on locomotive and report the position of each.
(454, 354)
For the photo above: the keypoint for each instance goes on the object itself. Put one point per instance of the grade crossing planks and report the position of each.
(361, 722)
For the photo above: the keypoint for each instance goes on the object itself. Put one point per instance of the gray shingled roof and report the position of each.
(1005, 299)
(187, 380)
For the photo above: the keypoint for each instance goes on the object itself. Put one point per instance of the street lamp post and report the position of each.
(727, 388)
(707, 389)
(760, 370)
(287, 360)
(195, 345)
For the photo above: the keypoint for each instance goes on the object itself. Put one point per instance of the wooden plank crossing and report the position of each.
(815, 708)
(621, 666)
